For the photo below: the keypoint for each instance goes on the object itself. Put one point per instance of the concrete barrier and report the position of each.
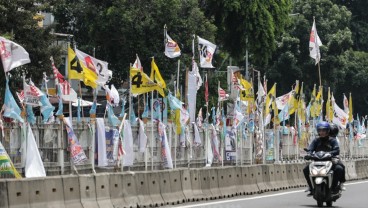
(262, 186)
(186, 185)
(37, 192)
(144, 197)
(165, 187)
(54, 192)
(249, 180)
(154, 188)
(281, 176)
(214, 184)
(226, 181)
(360, 169)
(129, 190)
(18, 193)
(87, 188)
(72, 197)
(350, 167)
(197, 188)
(176, 187)
(238, 181)
(3, 194)
(103, 190)
(291, 175)
(301, 179)
(116, 190)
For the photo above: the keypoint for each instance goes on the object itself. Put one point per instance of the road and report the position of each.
(354, 197)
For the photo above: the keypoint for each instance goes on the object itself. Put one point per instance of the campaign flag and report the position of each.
(30, 115)
(31, 94)
(340, 118)
(346, 104)
(206, 90)
(6, 165)
(141, 83)
(271, 95)
(128, 157)
(199, 120)
(174, 102)
(95, 65)
(78, 70)
(137, 64)
(222, 96)
(34, 165)
(284, 114)
(77, 154)
(165, 148)
(11, 109)
(12, 54)
(206, 52)
(314, 44)
(142, 137)
(350, 109)
(172, 49)
(196, 73)
(283, 100)
(112, 95)
(238, 118)
(157, 78)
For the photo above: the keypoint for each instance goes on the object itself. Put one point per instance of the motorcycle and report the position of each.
(321, 176)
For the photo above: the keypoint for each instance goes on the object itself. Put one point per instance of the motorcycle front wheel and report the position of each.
(320, 203)
(329, 203)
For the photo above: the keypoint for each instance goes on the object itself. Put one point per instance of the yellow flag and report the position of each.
(350, 109)
(245, 83)
(271, 95)
(156, 77)
(313, 103)
(6, 165)
(293, 101)
(77, 70)
(301, 106)
(319, 98)
(275, 112)
(141, 83)
(329, 109)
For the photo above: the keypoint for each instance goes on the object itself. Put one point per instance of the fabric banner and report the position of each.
(12, 55)
(160, 109)
(165, 148)
(215, 143)
(192, 95)
(77, 154)
(128, 157)
(340, 117)
(11, 108)
(142, 137)
(6, 165)
(112, 145)
(197, 137)
(101, 142)
(314, 44)
(141, 83)
(34, 165)
(206, 52)
(283, 100)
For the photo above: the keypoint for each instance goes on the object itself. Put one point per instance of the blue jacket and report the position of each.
(331, 145)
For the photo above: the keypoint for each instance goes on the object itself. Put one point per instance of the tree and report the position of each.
(252, 25)
(19, 22)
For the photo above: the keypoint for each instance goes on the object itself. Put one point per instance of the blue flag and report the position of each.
(11, 108)
(113, 120)
(174, 102)
(30, 115)
(60, 109)
(46, 108)
(122, 107)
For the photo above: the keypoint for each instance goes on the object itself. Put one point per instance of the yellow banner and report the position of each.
(141, 83)
(77, 70)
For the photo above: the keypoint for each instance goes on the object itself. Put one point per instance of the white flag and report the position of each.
(283, 100)
(238, 118)
(137, 64)
(101, 141)
(206, 52)
(172, 49)
(195, 70)
(98, 66)
(340, 117)
(346, 105)
(314, 44)
(12, 54)
(142, 137)
(128, 157)
(34, 165)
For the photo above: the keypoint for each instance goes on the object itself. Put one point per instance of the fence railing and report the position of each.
(274, 146)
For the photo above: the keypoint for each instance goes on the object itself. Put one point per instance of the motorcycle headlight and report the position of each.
(314, 172)
(323, 172)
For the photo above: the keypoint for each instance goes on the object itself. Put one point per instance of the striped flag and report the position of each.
(222, 94)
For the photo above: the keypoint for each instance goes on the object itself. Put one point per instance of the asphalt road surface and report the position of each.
(356, 196)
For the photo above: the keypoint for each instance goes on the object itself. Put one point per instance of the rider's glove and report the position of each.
(327, 155)
(307, 157)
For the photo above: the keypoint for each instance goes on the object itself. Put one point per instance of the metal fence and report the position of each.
(276, 145)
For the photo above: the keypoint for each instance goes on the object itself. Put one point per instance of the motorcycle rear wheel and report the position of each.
(320, 203)
(329, 204)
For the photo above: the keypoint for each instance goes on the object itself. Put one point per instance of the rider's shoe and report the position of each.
(311, 192)
(342, 187)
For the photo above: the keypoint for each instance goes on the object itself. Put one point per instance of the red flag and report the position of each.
(221, 94)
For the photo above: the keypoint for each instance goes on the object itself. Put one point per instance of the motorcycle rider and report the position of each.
(327, 144)
(334, 131)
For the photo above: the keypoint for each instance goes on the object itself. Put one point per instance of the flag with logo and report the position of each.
(314, 44)
(340, 118)
(165, 148)
(293, 101)
(141, 83)
(172, 49)
(283, 100)
(346, 104)
(350, 109)
(157, 78)
(96, 66)
(206, 52)
(12, 54)
(77, 70)
(77, 154)
(271, 95)
(222, 96)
